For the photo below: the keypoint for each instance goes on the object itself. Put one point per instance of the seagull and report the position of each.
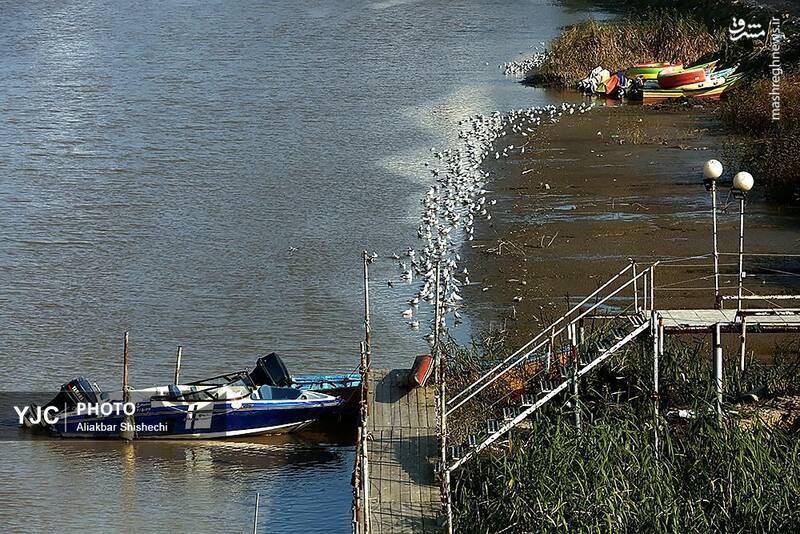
(408, 314)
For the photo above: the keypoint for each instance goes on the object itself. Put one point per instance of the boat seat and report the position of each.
(173, 392)
(275, 393)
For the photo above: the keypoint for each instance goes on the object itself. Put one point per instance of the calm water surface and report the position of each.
(206, 174)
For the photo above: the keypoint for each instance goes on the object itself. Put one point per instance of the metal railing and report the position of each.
(642, 287)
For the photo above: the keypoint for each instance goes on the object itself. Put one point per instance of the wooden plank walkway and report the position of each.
(404, 495)
(704, 320)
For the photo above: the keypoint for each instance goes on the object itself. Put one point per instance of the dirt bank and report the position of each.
(596, 189)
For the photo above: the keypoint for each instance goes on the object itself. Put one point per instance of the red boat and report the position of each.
(421, 371)
(673, 77)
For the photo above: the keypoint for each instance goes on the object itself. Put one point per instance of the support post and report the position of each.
(717, 300)
(575, 394)
(660, 335)
(635, 287)
(581, 331)
(178, 366)
(717, 340)
(441, 406)
(743, 344)
(255, 515)
(550, 351)
(656, 332)
(741, 251)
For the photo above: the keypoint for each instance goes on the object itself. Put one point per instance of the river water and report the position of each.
(206, 174)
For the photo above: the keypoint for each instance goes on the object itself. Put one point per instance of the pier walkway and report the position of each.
(402, 446)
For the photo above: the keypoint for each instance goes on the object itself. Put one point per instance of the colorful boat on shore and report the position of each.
(673, 77)
(712, 90)
(649, 71)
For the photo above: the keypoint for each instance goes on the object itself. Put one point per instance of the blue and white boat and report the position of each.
(271, 370)
(235, 404)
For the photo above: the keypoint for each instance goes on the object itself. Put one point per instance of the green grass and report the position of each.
(704, 475)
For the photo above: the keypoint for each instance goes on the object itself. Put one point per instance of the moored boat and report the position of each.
(271, 370)
(223, 406)
(654, 95)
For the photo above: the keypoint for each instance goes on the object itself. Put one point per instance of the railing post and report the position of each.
(635, 287)
(550, 350)
(653, 287)
(644, 289)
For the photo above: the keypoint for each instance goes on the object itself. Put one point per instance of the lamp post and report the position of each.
(742, 183)
(711, 171)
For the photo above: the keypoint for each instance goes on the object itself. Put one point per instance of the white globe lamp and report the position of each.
(743, 181)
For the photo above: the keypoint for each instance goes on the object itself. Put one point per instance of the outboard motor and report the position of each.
(270, 371)
(76, 391)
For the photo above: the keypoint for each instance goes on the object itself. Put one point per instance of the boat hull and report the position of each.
(648, 71)
(651, 96)
(198, 420)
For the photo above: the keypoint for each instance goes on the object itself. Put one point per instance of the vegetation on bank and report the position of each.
(619, 43)
(738, 475)
(767, 148)
(691, 31)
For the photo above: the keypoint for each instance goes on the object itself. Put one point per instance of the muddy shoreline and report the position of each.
(596, 189)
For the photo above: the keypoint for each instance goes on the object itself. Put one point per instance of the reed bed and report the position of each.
(703, 475)
(664, 35)
(767, 148)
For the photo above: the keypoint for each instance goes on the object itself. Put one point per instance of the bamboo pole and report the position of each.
(176, 381)
(127, 433)
(366, 362)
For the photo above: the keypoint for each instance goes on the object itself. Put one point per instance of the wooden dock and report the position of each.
(402, 446)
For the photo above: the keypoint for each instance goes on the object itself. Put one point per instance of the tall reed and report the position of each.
(704, 475)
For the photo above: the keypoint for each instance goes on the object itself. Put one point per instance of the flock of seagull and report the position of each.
(459, 198)
(524, 66)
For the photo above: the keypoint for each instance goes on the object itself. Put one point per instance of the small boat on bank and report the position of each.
(649, 71)
(710, 90)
